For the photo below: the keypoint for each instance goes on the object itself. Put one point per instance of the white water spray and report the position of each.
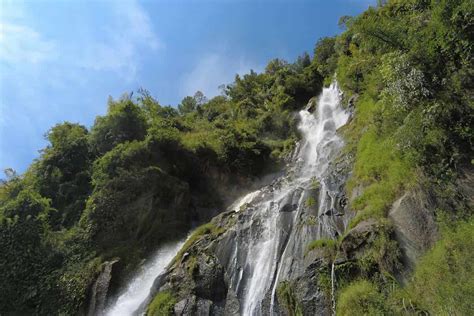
(139, 287)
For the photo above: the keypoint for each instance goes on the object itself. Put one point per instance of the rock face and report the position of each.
(415, 226)
(99, 289)
(358, 237)
(236, 267)
(254, 259)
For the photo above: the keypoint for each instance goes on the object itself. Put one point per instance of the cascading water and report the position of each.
(271, 237)
(139, 287)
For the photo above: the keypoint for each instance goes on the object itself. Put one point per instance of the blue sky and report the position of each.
(60, 60)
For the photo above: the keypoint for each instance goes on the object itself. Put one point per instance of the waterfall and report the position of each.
(274, 225)
(271, 236)
(129, 301)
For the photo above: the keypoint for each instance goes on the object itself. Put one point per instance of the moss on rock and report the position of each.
(162, 304)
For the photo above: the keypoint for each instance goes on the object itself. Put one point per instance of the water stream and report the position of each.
(139, 287)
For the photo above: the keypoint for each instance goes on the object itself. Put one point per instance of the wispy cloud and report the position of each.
(47, 66)
(213, 70)
(22, 44)
(130, 31)
(115, 47)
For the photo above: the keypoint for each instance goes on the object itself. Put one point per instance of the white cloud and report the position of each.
(130, 31)
(21, 44)
(213, 70)
(114, 47)
(138, 23)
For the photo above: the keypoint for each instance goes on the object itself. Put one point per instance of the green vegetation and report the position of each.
(410, 65)
(361, 298)
(208, 229)
(162, 304)
(141, 174)
(381, 257)
(287, 299)
(310, 202)
(325, 282)
(443, 282)
(380, 167)
(143, 170)
(329, 246)
(441, 285)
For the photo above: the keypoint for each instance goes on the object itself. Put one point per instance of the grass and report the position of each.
(162, 304)
(361, 298)
(379, 166)
(310, 202)
(443, 282)
(328, 245)
(203, 230)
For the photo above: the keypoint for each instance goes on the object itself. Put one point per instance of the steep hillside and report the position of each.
(406, 72)
(373, 217)
(142, 175)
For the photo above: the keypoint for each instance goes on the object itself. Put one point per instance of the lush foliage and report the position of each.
(441, 285)
(409, 65)
(142, 174)
(145, 170)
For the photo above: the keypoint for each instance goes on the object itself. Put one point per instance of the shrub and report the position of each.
(443, 282)
(361, 298)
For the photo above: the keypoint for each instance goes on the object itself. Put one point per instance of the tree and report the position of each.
(275, 65)
(302, 62)
(187, 105)
(200, 98)
(63, 172)
(125, 121)
(325, 56)
(26, 260)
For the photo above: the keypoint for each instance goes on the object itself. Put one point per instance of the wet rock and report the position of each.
(209, 279)
(185, 256)
(204, 307)
(185, 306)
(310, 296)
(100, 288)
(328, 212)
(352, 100)
(232, 304)
(288, 208)
(312, 105)
(343, 202)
